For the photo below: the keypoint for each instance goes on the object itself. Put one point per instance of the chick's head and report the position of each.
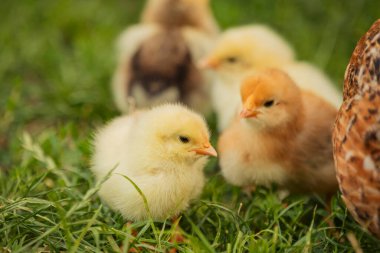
(178, 135)
(240, 50)
(176, 12)
(195, 2)
(230, 59)
(270, 99)
(186, 7)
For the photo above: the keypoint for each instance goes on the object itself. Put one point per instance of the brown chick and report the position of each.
(356, 136)
(157, 58)
(162, 70)
(283, 137)
(180, 13)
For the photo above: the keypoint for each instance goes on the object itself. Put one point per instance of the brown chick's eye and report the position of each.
(231, 59)
(269, 103)
(184, 139)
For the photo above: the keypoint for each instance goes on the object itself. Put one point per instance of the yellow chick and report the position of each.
(157, 58)
(239, 51)
(283, 137)
(163, 151)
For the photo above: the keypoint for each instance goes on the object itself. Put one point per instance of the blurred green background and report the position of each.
(57, 57)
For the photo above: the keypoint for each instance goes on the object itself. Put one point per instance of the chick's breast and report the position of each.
(166, 194)
(356, 136)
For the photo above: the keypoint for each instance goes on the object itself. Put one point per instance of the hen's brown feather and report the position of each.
(356, 136)
(361, 59)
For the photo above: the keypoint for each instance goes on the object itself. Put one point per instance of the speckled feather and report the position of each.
(356, 136)
(363, 59)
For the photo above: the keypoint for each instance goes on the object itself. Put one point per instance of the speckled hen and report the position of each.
(356, 136)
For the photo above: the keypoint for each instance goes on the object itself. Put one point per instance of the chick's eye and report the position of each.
(231, 59)
(269, 103)
(183, 139)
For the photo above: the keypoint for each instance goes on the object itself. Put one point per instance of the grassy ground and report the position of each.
(56, 61)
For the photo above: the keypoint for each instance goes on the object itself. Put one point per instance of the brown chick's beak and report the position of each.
(206, 150)
(247, 113)
(208, 63)
(249, 108)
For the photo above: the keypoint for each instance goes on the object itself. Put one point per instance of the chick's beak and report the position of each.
(248, 113)
(207, 149)
(249, 109)
(208, 63)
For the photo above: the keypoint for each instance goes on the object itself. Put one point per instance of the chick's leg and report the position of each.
(249, 189)
(329, 219)
(176, 236)
(133, 232)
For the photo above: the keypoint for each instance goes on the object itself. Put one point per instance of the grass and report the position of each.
(56, 61)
